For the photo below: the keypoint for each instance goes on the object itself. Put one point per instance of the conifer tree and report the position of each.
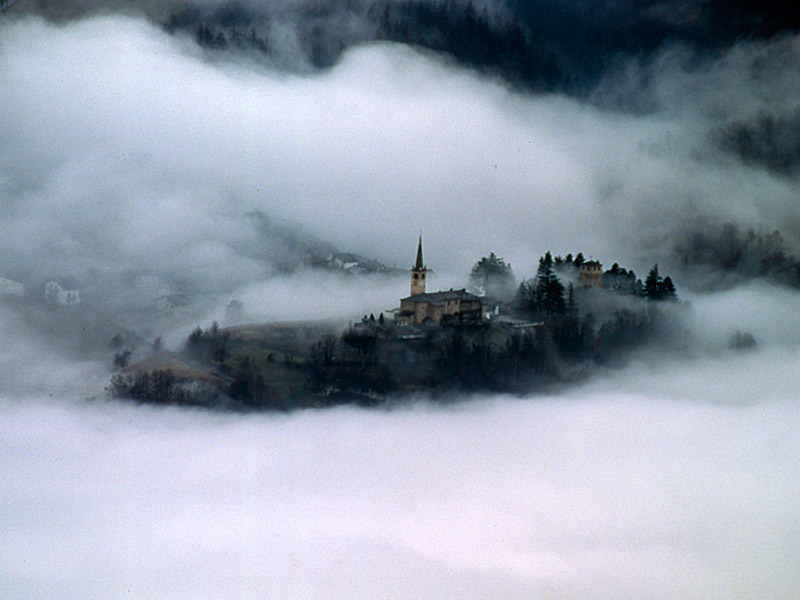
(653, 284)
(670, 293)
(548, 290)
(571, 304)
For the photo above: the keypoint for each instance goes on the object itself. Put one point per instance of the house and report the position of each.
(351, 264)
(451, 306)
(590, 274)
(441, 307)
(9, 287)
(58, 292)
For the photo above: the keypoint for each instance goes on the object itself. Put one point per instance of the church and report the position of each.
(436, 308)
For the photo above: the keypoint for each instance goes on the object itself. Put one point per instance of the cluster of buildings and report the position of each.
(352, 264)
(427, 308)
(56, 291)
(59, 292)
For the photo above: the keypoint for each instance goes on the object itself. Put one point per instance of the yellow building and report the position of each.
(590, 274)
(452, 306)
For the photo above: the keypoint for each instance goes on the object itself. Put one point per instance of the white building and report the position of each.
(55, 293)
(9, 287)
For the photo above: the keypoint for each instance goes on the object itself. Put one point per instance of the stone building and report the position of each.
(451, 306)
(418, 273)
(590, 274)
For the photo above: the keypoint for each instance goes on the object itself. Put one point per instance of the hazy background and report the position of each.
(137, 164)
(137, 153)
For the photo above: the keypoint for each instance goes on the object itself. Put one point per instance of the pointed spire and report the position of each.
(419, 265)
(418, 272)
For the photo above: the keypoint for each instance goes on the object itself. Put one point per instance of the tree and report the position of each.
(670, 293)
(523, 299)
(620, 279)
(656, 288)
(742, 340)
(159, 387)
(543, 296)
(364, 343)
(249, 386)
(203, 36)
(493, 276)
(121, 359)
(653, 284)
(571, 305)
(548, 290)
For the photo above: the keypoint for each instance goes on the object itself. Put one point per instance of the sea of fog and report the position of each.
(652, 482)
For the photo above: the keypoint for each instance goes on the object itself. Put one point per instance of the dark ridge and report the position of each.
(771, 140)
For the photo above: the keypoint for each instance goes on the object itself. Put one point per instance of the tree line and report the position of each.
(721, 255)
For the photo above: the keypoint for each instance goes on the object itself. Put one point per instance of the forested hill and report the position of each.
(589, 35)
(540, 44)
(491, 40)
(535, 44)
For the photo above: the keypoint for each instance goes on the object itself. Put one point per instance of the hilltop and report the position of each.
(553, 329)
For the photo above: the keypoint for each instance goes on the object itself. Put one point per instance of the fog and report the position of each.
(136, 164)
(649, 485)
(135, 151)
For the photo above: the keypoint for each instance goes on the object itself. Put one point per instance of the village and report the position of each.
(549, 330)
(494, 333)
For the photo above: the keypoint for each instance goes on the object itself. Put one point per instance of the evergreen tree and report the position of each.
(548, 290)
(571, 304)
(656, 288)
(203, 36)
(653, 284)
(554, 305)
(670, 293)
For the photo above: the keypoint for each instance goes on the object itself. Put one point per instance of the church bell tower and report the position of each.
(418, 273)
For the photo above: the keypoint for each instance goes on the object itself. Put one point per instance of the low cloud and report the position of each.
(639, 487)
(140, 152)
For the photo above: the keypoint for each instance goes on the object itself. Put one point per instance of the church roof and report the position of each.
(440, 297)
(419, 265)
